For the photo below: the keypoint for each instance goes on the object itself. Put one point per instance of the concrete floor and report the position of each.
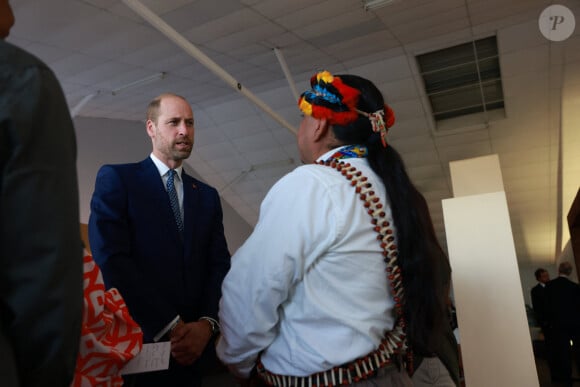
(544, 371)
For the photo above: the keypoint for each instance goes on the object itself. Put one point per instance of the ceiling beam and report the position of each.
(197, 54)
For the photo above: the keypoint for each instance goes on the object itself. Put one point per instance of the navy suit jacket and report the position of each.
(540, 304)
(564, 303)
(135, 241)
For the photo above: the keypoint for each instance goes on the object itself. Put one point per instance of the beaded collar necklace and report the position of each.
(349, 152)
(394, 342)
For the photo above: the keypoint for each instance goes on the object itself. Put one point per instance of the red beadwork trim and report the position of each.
(394, 342)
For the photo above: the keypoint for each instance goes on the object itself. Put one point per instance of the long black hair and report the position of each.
(424, 266)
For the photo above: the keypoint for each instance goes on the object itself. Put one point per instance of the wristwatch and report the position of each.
(215, 327)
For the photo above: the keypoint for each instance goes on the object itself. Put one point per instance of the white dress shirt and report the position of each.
(177, 181)
(308, 287)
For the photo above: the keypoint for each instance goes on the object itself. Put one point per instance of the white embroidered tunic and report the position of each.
(308, 287)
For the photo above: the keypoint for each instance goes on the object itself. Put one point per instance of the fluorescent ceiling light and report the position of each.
(139, 82)
(371, 5)
(77, 108)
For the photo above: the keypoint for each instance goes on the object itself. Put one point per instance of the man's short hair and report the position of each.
(565, 268)
(153, 107)
(539, 272)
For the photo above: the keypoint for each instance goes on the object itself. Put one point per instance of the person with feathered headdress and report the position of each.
(343, 277)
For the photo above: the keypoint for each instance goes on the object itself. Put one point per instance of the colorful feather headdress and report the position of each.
(336, 102)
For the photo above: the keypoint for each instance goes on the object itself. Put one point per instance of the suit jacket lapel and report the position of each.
(191, 203)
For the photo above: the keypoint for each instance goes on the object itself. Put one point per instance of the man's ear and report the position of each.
(322, 129)
(150, 130)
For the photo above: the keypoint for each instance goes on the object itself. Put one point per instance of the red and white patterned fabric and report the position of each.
(109, 336)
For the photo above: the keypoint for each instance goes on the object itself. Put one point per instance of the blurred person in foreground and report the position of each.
(157, 234)
(340, 279)
(41, 280)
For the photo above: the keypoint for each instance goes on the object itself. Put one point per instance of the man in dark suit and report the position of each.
(539, 298)
(540, 306)
(564, 320)
(41, 272)
(158, 237)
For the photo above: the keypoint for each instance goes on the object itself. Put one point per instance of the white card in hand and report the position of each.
(153, 357)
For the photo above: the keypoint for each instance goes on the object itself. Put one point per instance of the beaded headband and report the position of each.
(335, 101)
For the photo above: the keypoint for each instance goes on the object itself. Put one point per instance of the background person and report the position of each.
(563, 318)
(158, 238)
(540, 305)
(539, 298)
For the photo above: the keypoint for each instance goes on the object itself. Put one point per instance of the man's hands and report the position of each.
(188, 340)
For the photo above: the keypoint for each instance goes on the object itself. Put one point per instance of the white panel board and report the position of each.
(475, 176)
(495, 339)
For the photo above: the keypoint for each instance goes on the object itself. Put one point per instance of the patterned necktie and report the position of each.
(173, 199)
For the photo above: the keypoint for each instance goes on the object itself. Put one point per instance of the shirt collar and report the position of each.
(162, 168)
(330, 153)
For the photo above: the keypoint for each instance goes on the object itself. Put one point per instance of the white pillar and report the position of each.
(495, 339)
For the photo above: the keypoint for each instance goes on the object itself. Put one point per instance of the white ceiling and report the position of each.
(95, 46)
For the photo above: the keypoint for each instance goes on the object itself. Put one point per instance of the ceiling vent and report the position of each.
(463, 84)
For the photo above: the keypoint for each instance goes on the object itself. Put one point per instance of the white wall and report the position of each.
(104, 141)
